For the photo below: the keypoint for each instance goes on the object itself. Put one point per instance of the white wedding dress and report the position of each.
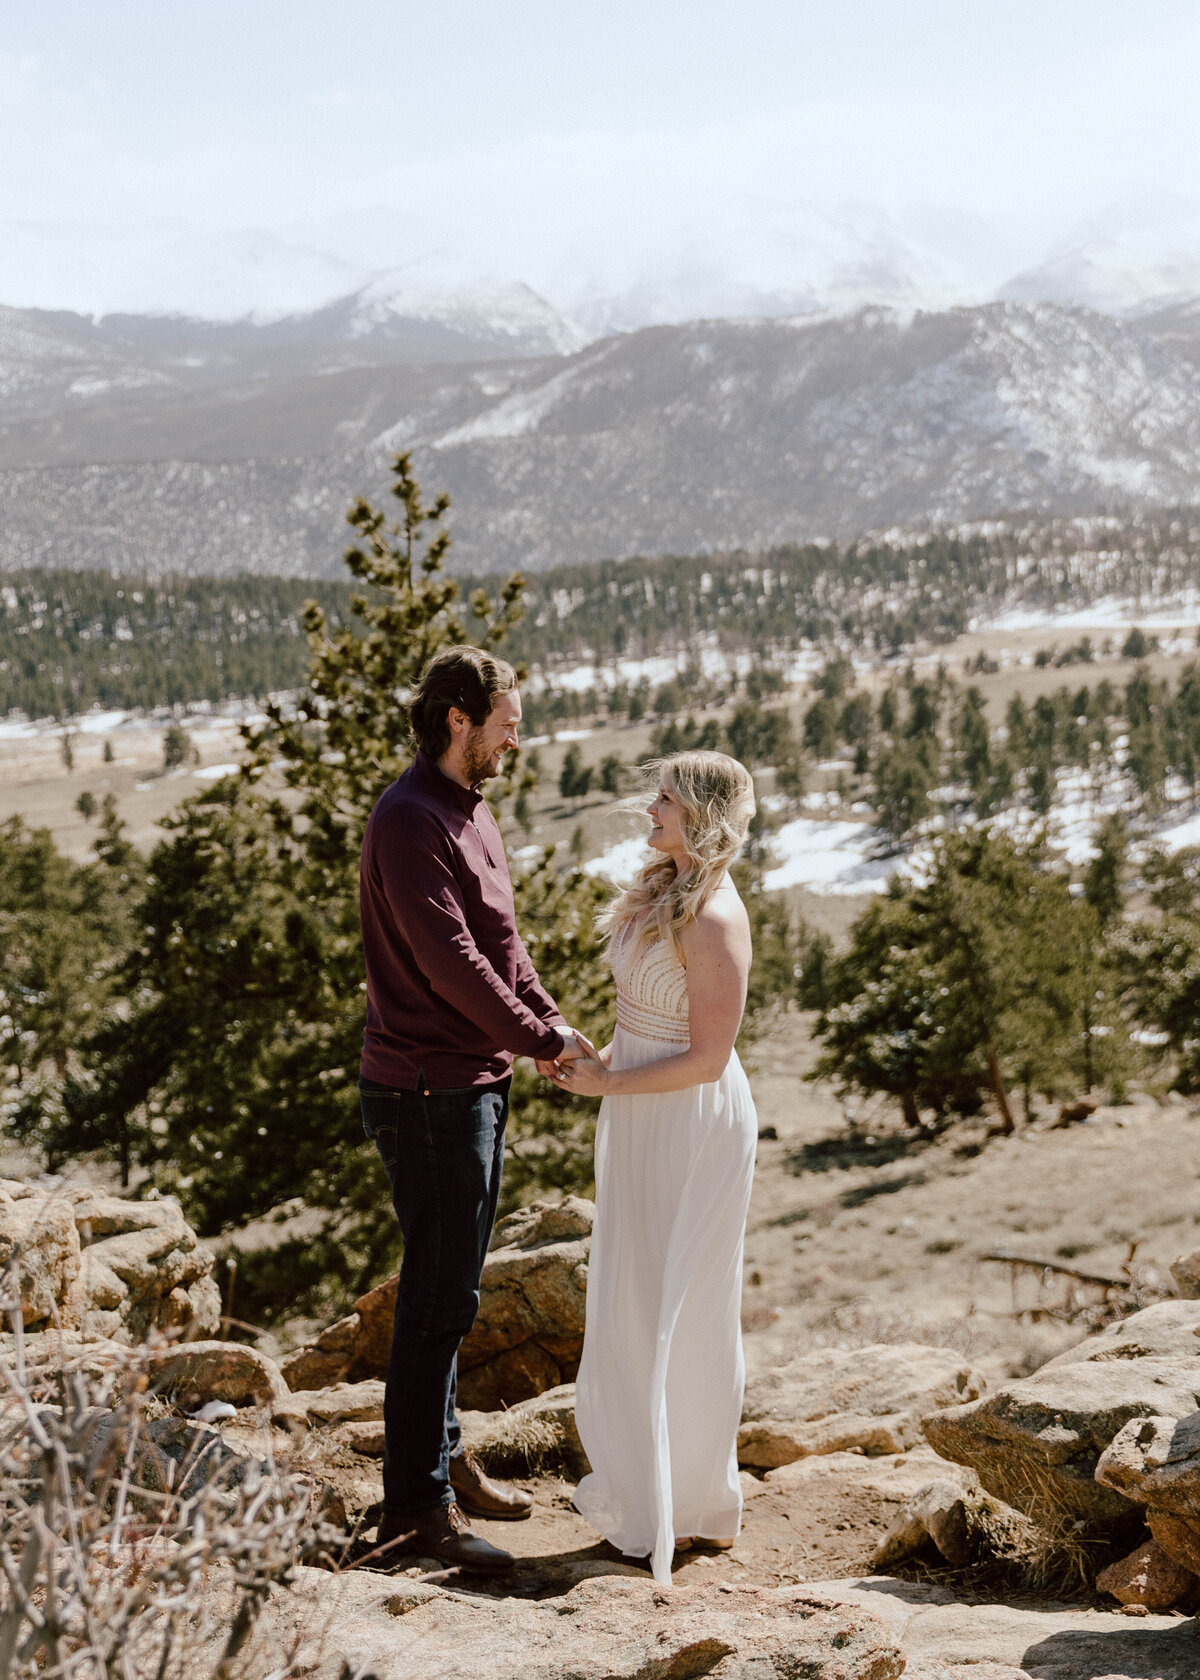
(659, 1393)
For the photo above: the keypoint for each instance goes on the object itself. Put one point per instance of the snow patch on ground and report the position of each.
(1109, 613)
(101, 723)
(1186, 833)
(621, 863)
(828, 857)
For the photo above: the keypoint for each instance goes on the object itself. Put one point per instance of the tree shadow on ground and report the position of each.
(864, 1193)
(842, 1151)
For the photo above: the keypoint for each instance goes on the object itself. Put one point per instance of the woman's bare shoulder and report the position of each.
(722, 914)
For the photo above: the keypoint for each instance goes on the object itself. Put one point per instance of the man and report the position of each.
(451, 998)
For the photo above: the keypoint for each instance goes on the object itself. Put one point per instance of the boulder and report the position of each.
(1167, 1330)
(939, 1513)
(527, 1336)
(609, 1627)
(1037, 1443)
(360, 1402)
(37, 1232)
(327, 1360)
(1155, 1462)
(202, 1371)
(143, 1268)
(364, 1438)
(176, 1453)
(48, 1352)
(1186, 1273)
(1148, 1576)
(109, 1267)
(868, 1399)
(165, 1449)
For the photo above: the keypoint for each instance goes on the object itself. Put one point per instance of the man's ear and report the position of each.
(457, 721)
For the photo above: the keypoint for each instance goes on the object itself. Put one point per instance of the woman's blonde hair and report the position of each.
(716, 801)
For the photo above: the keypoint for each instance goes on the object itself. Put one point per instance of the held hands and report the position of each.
(577, 1065)
(574, 1044)
(585, 1075)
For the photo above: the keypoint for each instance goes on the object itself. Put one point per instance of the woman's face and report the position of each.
(665, 813)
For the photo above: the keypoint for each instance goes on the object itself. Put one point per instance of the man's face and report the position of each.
(485, 744)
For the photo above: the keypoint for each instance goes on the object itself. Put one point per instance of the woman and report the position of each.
(659, 1392)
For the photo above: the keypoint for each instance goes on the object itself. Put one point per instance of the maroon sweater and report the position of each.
(451, 992)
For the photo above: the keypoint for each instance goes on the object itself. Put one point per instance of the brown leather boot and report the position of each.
(388, 1551)
(483, 1497)
(445, 1533)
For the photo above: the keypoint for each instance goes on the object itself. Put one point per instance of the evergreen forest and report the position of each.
(194, 1016)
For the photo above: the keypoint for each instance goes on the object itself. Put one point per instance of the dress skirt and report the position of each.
(658, 1398)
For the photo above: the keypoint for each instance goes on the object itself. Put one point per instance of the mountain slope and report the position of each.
(713, 435)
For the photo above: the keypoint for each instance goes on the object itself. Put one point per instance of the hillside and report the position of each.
(185, 449)
(73, 639)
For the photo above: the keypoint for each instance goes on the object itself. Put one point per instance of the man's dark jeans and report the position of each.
(443, 1151)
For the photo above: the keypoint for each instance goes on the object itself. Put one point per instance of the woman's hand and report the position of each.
(586, 1076)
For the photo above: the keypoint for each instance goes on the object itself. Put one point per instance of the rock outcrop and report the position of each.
(528, 1334)
(1149, 1577)
(1037, 1443)
(869, 1399)
(608, 1628)
(202, 1371)
(939, 1514)
(106, 1266)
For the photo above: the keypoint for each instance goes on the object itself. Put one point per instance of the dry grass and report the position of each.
(1024, 1347)
(520, 1444)
(133, 1547)
(1016, 1556)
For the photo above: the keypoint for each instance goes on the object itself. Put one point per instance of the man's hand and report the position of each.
(575, 1046)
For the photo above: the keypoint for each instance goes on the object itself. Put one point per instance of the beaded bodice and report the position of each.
(652, 998)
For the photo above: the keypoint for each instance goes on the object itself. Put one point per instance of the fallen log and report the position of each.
(1037, 1262)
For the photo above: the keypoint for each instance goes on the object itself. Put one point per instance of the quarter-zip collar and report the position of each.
(468, 800)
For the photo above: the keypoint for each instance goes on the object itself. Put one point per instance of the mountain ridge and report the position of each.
(711, 435)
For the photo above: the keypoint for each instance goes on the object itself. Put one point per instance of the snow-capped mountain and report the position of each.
(1133, 258)
(480, 309)
(759, 259)
(673, 439)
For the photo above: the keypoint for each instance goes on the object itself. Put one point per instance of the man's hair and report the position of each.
(464, 677)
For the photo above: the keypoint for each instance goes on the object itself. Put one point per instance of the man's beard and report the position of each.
(477, 760)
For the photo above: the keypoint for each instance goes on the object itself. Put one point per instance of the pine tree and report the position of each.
(575, 778)
(177, 746)
(60, 922)
(1103, 881)
(904, 777)
(231, 1075)
(821, 728)
(984, 974)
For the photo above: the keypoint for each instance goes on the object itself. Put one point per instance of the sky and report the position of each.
(575, 145)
